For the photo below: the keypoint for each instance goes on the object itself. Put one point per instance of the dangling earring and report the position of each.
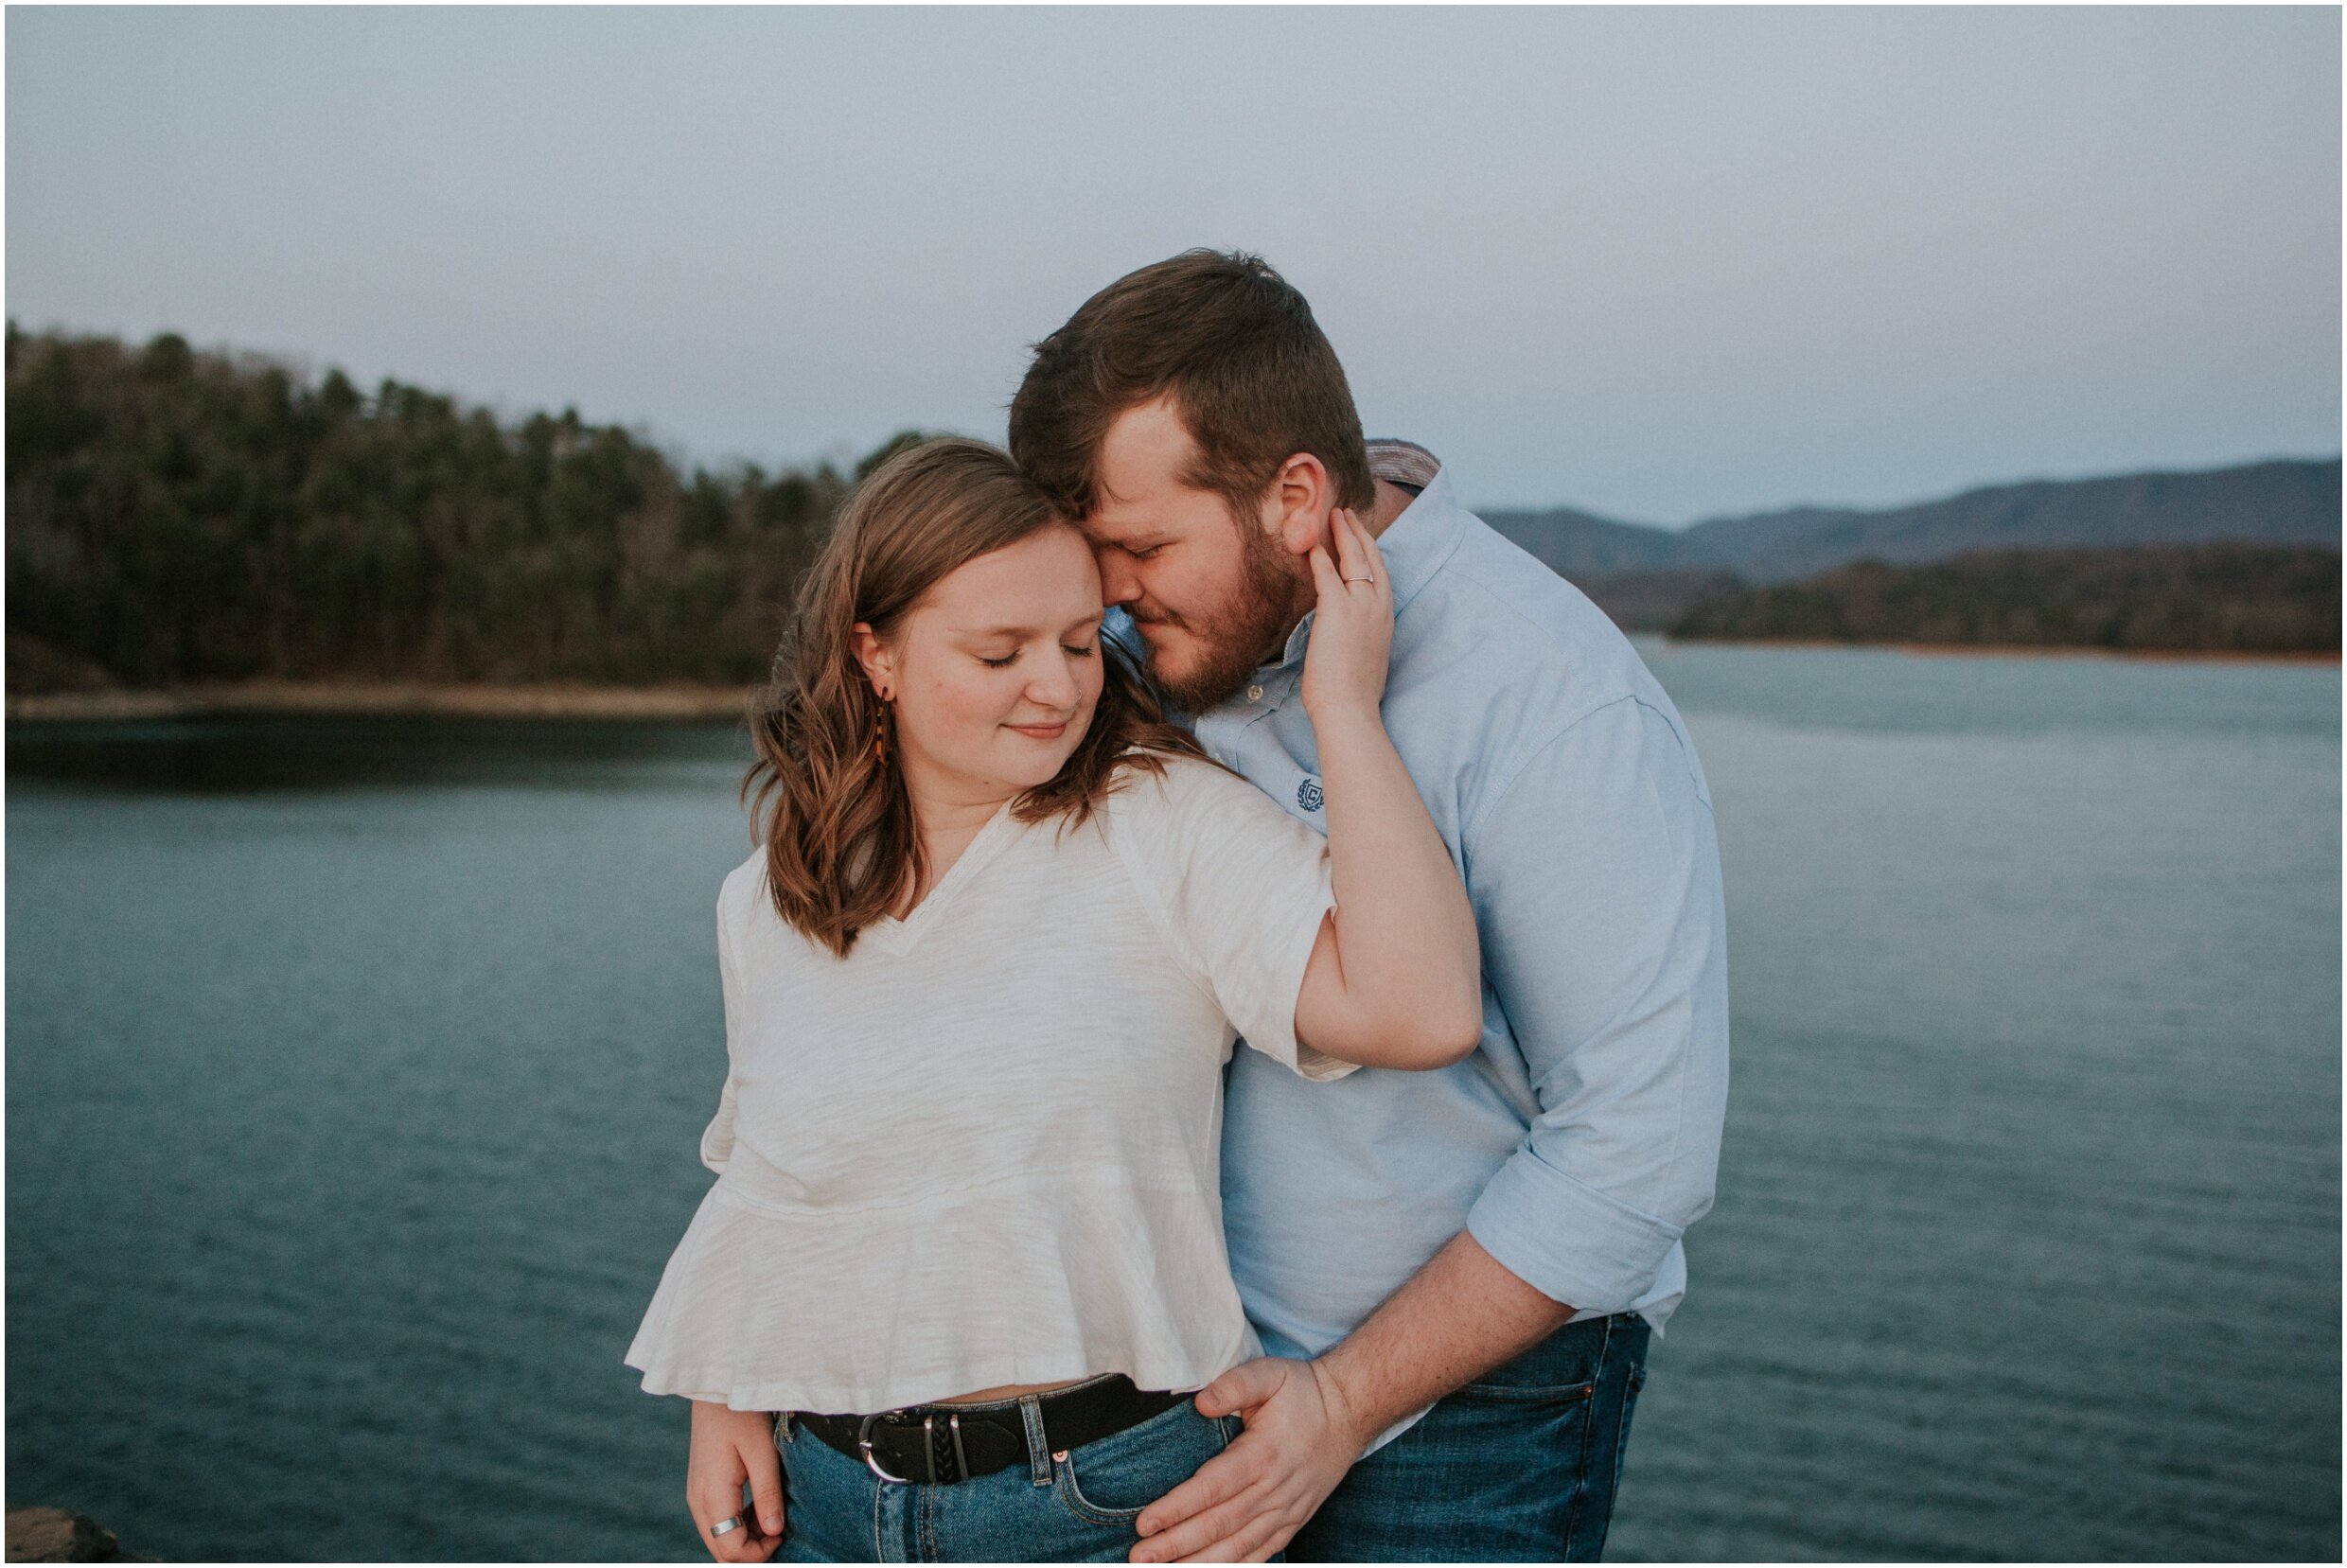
(880, 734)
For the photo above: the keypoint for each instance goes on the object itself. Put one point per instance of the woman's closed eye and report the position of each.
(1084, 652)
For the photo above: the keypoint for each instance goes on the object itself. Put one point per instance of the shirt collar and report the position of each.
(1417, 541)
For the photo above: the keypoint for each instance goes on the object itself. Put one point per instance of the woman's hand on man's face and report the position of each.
(731, 1447)
(1352, 624)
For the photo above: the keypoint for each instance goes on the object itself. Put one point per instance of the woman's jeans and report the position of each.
(1075, 1508)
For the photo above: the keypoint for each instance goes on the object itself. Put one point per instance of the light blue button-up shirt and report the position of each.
(1582, 1137)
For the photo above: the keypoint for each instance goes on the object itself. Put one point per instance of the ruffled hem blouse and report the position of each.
(981, 1149)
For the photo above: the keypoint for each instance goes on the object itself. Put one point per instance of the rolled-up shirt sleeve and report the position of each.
(1594, 873)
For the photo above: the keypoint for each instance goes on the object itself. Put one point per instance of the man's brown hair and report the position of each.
(841, 844)
(1250, 374)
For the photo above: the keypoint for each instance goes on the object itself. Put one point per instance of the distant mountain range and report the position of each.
(2283, 502)
(1646, 577)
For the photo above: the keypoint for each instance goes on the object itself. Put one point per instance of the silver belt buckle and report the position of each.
(863, 1441)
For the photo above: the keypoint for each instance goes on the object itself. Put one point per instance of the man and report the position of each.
(1474, 1257)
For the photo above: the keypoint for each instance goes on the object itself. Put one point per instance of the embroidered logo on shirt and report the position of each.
(1308, 795)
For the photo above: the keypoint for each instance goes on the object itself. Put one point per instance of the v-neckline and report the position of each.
(897, 935)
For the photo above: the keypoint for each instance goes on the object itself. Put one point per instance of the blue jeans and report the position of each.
(1519, 1466)
(1079, 1508)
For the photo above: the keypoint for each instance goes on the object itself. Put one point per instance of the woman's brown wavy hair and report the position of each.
(837, 823)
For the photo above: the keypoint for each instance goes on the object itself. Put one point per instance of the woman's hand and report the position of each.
(1352, 626)
(1395, 977)
(729, 1448)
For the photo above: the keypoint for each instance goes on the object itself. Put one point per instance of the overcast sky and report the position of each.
(1663, 264)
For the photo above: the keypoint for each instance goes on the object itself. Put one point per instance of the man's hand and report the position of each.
(1243, 1504)
(1307, 1421)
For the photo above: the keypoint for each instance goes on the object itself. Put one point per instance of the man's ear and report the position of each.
(879, 663)
(1300, 501)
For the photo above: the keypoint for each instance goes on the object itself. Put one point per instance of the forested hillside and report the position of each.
(2231, 598)
(175, 515)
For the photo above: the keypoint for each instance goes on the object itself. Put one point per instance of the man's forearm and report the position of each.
(1452, 1321)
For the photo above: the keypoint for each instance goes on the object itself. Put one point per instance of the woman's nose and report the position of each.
(1055, 685)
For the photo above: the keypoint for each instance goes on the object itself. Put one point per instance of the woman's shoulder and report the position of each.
(1157, 785)
(1186, 800)
(1185, 778)
(745, 882)
(742, 892)
(760, 938)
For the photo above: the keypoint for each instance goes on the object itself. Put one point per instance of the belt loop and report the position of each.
(1038, 1448)
(781, 1427)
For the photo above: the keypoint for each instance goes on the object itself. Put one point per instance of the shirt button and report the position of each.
(1255, 694)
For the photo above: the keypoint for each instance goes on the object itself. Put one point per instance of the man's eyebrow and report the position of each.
(1138, 538)
(1096, 523)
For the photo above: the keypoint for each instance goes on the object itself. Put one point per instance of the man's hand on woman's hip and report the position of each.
(1307, 1421)
(1243, 1504)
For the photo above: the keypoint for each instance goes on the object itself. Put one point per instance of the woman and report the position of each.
(964, 1261)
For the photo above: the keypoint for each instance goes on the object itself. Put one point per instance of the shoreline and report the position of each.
(673, 702)
(2011, 650)
(385, 700)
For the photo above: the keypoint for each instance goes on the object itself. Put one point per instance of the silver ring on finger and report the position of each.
(725, 1526)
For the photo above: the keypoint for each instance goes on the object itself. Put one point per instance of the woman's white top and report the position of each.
(981, 1149)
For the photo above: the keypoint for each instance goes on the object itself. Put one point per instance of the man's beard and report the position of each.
(1233, 640)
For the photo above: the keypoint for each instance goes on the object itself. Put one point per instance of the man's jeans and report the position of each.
(1519, 1466)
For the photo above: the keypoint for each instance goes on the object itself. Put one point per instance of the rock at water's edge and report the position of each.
(52, 1535)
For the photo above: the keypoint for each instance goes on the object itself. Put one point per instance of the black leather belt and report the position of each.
(944, 1443)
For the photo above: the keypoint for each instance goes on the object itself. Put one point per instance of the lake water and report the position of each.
(354, 1072)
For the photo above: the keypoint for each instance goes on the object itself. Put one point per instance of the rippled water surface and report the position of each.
(354, 1071)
